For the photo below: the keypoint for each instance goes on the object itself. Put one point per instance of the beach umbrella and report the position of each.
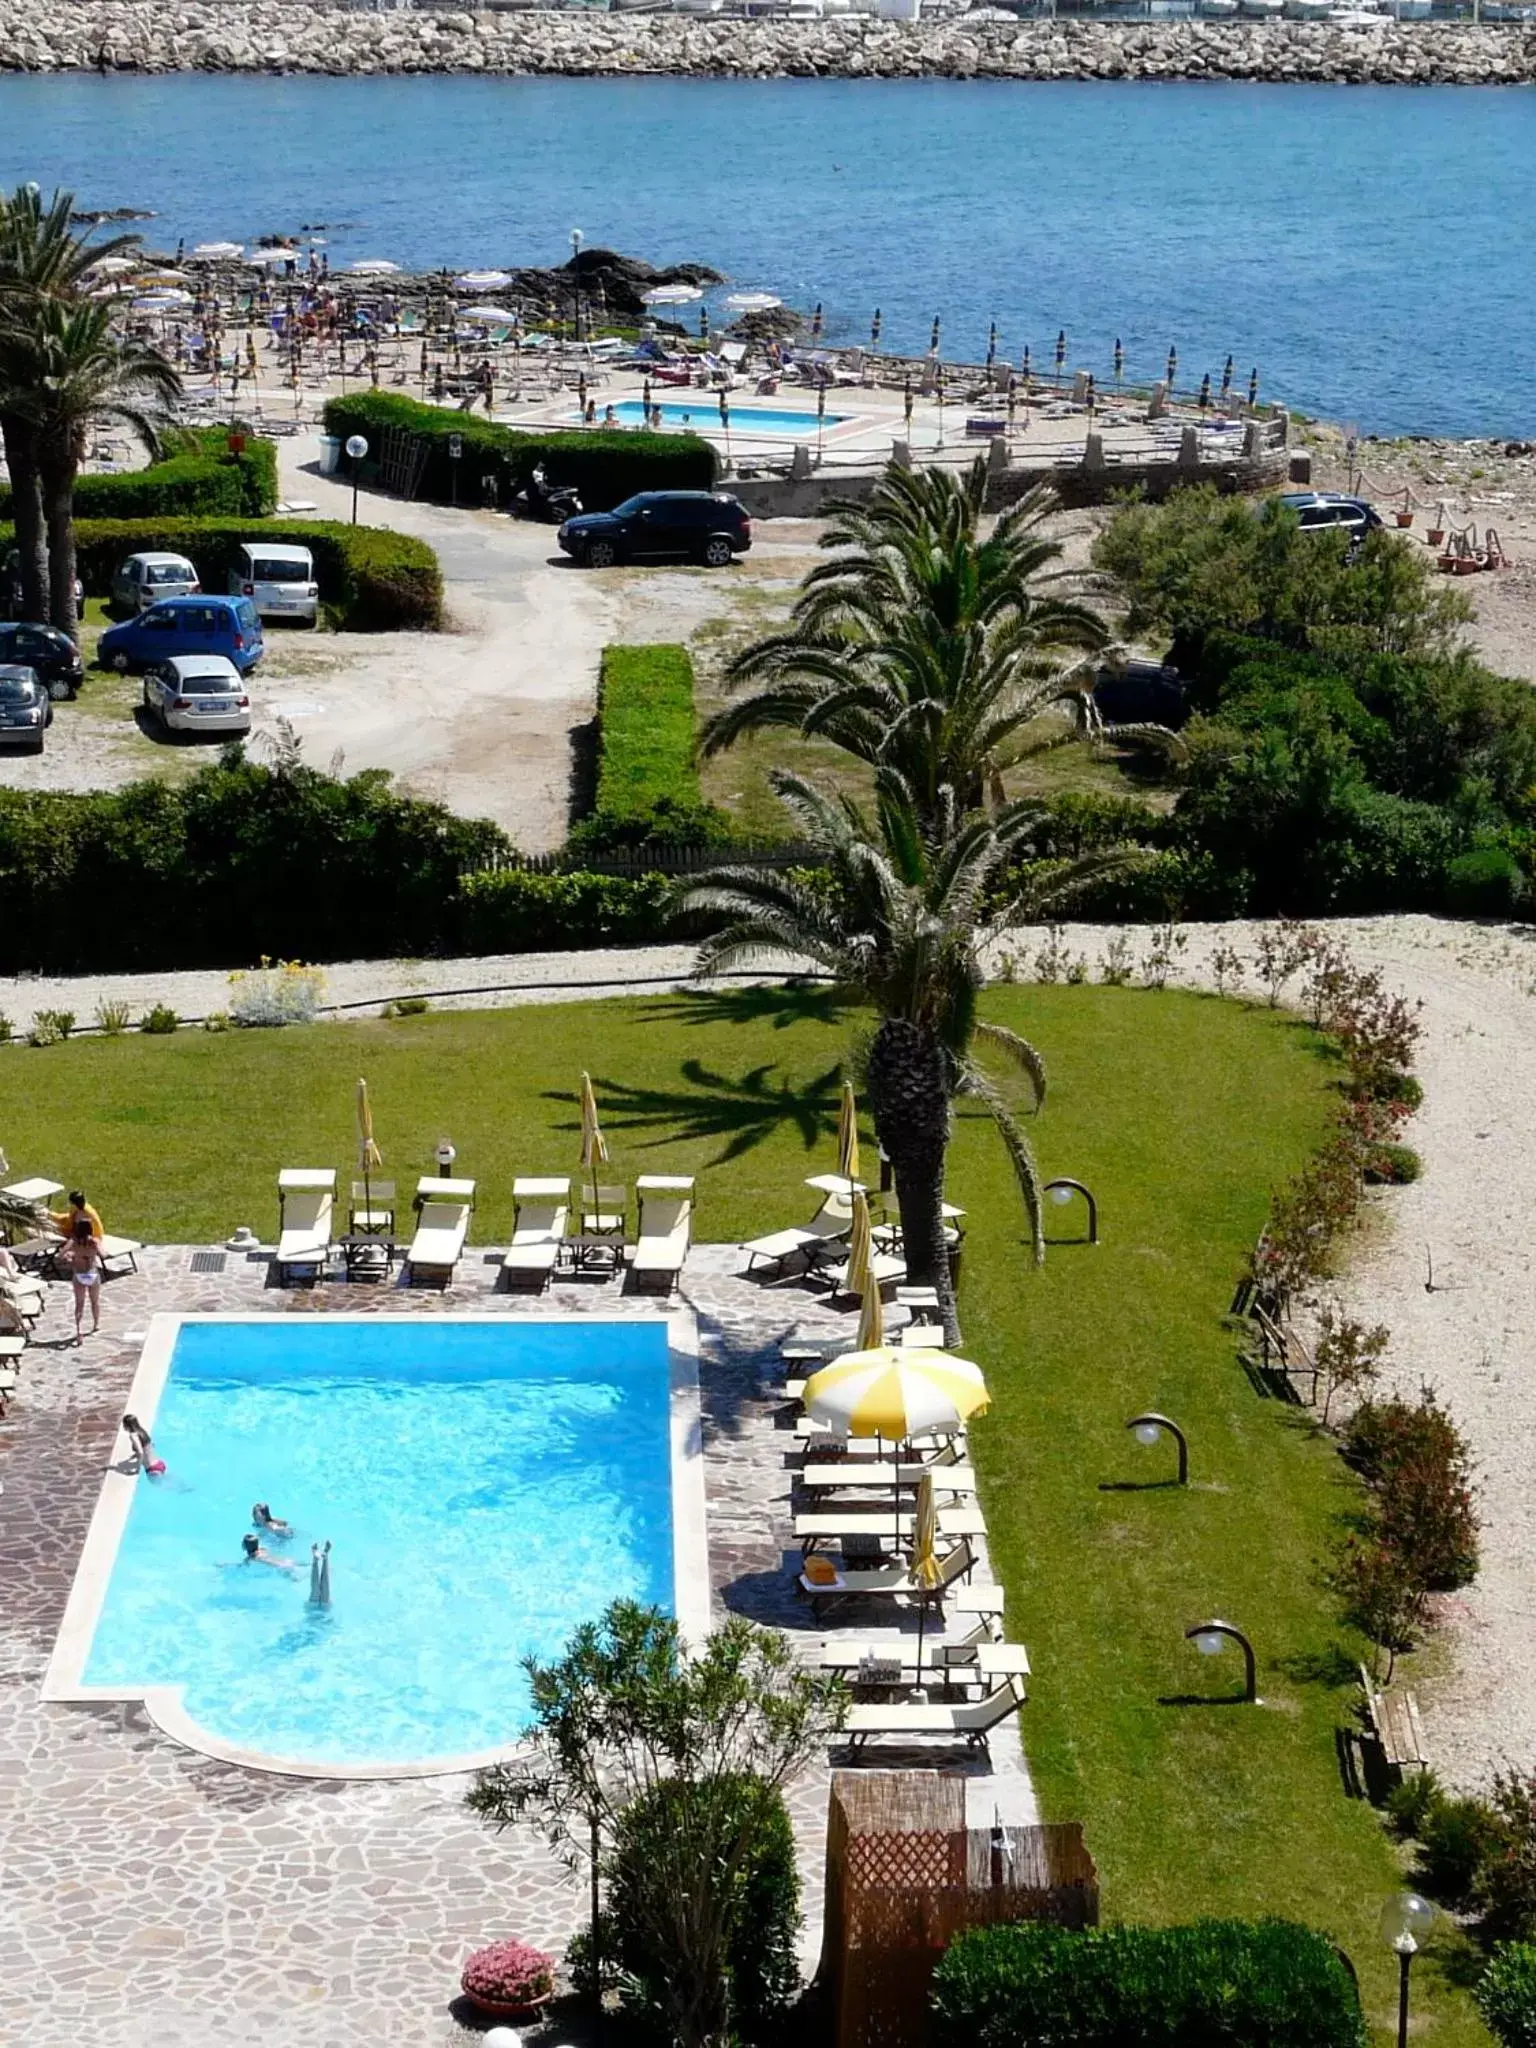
(848, 1134)
(752, 302)
(149, 277)
(933, 339)
(581, 390)
(871, 1335)
(1090, 394)
(703, 323)
(482, 281)
(816, 322)
(671, 295)
(373, 266)
(874, 330)
(1205, 391)
(1061, 351)
(1119, 360)
(112, 266)
(487, 316)
(368, 1153)
(213, 252)
(926, 1569)
(896, 1393)
(1024, 367)
(1173, 366)
(594, 1146)
(1226, 379)
(1253, 387)
(859, 1280)
(992, 344)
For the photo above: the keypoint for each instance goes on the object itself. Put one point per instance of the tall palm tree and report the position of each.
(900, 924)
(64, 367)
(40, 254)
(926, 646)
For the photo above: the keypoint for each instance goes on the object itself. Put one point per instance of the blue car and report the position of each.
(185, 625)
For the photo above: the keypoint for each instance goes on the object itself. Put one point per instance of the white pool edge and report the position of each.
(63, 1681)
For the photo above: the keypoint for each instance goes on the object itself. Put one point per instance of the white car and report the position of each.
(142, 580)
(198, 693)
(279, 580)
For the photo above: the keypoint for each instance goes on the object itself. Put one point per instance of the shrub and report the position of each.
(1419, 1468)
(44, 1031)
(1347, 1354)
(6, 1029)
(605, 467)
(1487, 882)
(407, 1006)
(284, 993)
(1035, 1986)
(1456, 1838)
(218, 1020)
(112, 1019)
(509, 910)
(160, 1021)
(1402, 1090)
(509, 1973)
(1392, 1165)
(199, 476)
(371, 580)
(1506, 1994)
(59, 1022)
(1507, 1886)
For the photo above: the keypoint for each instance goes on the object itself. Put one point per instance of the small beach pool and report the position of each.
(486, 1485)
(702, 413)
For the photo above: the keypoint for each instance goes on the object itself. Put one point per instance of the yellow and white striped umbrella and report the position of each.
(925, 1545)
(848, 1135)
(871, 1335)
(368, 1153)
(860, 1247)
(895, 1393)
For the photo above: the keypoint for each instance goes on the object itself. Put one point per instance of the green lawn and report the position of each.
(1180, 1111)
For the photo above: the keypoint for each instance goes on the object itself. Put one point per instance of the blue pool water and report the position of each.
(1311, 230)
(485, 1488)
(704, 415)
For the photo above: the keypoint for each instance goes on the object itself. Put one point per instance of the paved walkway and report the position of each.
(156, 1899)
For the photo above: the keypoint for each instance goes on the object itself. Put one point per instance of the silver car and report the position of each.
(198, 693)
(142, 580)
(25, 709)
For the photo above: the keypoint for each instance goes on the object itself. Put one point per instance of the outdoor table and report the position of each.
(354, 1250)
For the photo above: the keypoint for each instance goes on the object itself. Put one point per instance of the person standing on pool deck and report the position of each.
(83, 1257)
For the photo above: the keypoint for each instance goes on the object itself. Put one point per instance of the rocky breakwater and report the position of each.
(269, 36)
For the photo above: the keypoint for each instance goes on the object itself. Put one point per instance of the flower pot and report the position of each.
(1405, 519)
(507, 2009)
(1435, 536)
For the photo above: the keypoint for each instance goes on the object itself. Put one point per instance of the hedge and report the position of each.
(1261, 1983)
(200, 477)
(510, 910)
(645, 730)
(371, 580)
(605, 466)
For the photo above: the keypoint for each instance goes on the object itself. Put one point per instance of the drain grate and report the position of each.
(208, 1262)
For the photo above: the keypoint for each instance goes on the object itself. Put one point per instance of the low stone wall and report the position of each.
(133, 35)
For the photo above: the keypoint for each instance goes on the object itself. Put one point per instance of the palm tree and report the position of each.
(900, 923)
(39, 254)
(923, 645)
(64, 367)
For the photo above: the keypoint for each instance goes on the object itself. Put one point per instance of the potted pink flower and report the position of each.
(509, 1980)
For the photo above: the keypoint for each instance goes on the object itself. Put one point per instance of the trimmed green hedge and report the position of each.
(510, 910)
(199, 477)
(1257, 1983)
(371, 580)
(646, 730)
(605, 466)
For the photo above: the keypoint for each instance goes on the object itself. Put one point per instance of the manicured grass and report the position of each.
(1179, 1111)
(645, 717)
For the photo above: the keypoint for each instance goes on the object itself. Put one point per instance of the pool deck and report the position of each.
(155, 1898)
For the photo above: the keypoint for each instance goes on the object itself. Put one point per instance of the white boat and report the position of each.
(1262, 10)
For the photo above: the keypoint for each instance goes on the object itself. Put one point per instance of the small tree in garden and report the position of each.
(1508, 1882)
(1380, 1595)
(1348, 1354)
(628, 1710)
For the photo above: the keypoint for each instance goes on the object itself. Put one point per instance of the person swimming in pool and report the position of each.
(262, 1517)
(254, 1554)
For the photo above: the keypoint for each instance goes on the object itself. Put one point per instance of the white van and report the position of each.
(279, 580)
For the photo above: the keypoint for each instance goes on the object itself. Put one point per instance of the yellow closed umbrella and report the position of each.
(848, 1135)
(860, 1246)
(926, 1569)
(594, 1146)
(368, 1154)
(871, 1335)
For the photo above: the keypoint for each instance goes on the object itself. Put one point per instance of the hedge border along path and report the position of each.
(372, 580)
(200, 476)
(645, 730)
(605, 465)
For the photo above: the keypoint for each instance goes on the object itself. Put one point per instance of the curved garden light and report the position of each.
(1151, 1428)
(1405, 1920)
(1061, 1191)
(1210, 1638)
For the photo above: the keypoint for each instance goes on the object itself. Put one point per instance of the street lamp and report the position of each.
(1405, 1920)
(1061, 1191)
(575, 285)
(1210, 1638)
(1151, 1428)
(357, 448)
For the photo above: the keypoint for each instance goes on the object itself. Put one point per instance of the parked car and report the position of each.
(198, 693)
(1140, 692)
(25, 709)
(52, 655)
(142, 580)
(699, 526)
(184, 625)
(1327, 510)
(10, 587)
(279, 581)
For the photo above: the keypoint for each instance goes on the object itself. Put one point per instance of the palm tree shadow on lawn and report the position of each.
(745, 1111)
(782, 1004)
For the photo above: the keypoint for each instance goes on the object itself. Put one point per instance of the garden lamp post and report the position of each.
(446, 1155)
(1405, 1920)
(357, 448)
(1210, 1638)
(575, 285)
(1151, 1428)
(1061, 1190)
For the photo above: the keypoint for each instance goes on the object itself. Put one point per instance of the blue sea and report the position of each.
(1369, 249)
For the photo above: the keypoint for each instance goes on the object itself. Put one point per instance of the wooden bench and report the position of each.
(1393, 1719)
(1283, 1355)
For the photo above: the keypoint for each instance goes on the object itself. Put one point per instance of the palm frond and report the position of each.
(1025, 1056)
(1020, 1155)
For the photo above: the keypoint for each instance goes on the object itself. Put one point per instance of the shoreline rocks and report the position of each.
(278, 36)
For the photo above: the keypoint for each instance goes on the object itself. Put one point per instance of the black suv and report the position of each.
(52, 655)
(691, 526)
(1328, 511)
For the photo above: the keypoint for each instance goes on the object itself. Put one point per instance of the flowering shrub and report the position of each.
(281, 992)
(509, 1973)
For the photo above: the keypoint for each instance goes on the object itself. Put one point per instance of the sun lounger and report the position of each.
(888, 1524)
(120, 1250)
(969, 1721)
(443, 1210)
(838, 1475)
(26, 1294)
(306, 1197)
(887, 1582)
(833, 1220)
(541, 1210)
(967, 1660)
(885, 1268)
(666, 1227)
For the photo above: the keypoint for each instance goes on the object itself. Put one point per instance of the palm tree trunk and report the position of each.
(910, 1101)
(58, 470)
(27, 514)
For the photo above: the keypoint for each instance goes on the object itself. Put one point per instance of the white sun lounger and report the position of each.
(884, 1269)
(848, 1475)
(969, 1721)
(119, 1248)
(306, 1197)
(969, 1660)
(834, 1219)
(666, 1227)
(541, 1212)
(443, 1210)
(889, 1581)
(887, 1524)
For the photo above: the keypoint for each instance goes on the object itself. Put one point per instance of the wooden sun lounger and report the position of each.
(541, 1214)
(443, 1210)
(831, 1524)
(666, 1227)
(306, 1199)
(889, 1581)
(970, 1721)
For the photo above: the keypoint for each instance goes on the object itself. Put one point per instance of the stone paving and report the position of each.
(153, 1898)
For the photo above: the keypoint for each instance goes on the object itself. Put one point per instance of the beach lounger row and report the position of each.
(542, 1236)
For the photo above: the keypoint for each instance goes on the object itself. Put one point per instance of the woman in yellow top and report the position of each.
(79, 1209)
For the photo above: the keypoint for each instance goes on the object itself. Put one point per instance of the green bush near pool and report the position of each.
(199, 475)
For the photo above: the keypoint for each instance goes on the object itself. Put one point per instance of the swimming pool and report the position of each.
(703, 414)
(486, 1484)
